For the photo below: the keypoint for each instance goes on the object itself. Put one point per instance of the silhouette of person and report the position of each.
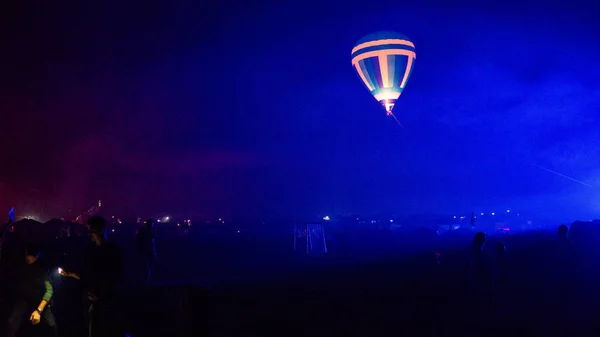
(102, 274)
(563, 230)
(477, 265)
(480, 277)
(146, 250)
(34, 292)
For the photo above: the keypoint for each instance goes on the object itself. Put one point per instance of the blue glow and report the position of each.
(273, 121)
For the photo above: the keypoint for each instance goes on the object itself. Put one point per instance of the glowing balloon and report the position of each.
(384, 62)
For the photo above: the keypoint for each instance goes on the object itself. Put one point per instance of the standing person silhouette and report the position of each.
(480, 278)
(146, 251)
(101, 276)
(34, 292)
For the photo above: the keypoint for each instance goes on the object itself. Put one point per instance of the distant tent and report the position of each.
(17, 237)
(27, 230)
(59, 227)
(26, 223)
(31, 231)
(585, 233)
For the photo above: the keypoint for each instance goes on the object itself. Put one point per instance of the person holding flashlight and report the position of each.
(34, 292)
(101, 276)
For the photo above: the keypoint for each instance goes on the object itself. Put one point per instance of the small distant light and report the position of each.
(113, 216)
(481, 213)
(177, 225)
(167, 218)
(158, 220)
(113, 230)
(508, 211)
(220, 219)
(238, 232)
(326, 218)
(391, 220)
(455, 217)
(493, 213)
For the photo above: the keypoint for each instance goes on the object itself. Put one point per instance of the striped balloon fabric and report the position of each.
(384, 62)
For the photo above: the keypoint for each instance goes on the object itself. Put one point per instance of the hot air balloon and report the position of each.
(384, 62)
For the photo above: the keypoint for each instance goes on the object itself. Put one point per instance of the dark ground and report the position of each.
(248, 287)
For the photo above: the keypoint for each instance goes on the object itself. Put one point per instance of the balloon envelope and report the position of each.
(384, 62)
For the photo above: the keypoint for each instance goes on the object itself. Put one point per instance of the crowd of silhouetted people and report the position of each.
(98, 276)
(536, 283)
(463, 283)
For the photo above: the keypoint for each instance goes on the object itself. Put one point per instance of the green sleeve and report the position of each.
(49, 291)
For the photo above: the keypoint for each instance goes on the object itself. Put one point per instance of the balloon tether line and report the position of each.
(562, 175)
(396, 119)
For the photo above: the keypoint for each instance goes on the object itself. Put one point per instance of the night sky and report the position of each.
(252, 108)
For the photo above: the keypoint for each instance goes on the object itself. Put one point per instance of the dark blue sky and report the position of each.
(255, 109)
